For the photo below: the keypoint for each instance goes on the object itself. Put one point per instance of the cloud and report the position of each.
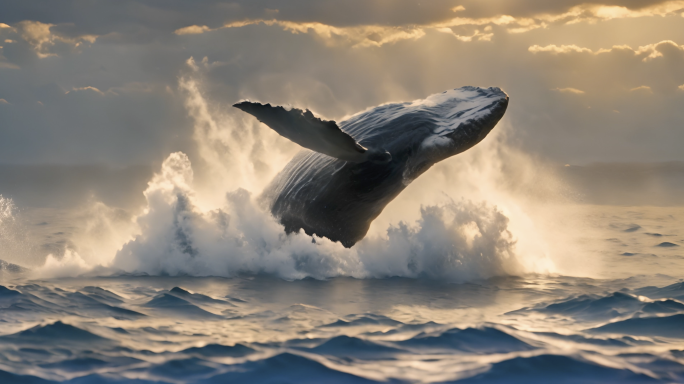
(359, 36)
(361, 23)
(41, 39)
(569, 90)
(653, 51)
(592, 13)
(572, 8)
(92, 89)
(379, 33)
(552, 48)
(484, 35)
(642, 88)
(645, 53)
(3, 101)
(37, 34)
(609, 12)
(681, 87)
(520, 21)
(192, 30)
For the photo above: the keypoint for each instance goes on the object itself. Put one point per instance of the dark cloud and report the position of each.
(153, 19)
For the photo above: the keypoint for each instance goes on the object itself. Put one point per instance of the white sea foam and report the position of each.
(456, 241)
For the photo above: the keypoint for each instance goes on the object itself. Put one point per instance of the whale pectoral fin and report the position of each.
(305, 129)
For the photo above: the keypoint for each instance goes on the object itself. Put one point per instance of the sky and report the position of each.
(86, 82)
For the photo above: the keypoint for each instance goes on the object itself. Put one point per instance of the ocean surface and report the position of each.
(621, 323)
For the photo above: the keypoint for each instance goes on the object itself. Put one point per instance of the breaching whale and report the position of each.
(353, 169)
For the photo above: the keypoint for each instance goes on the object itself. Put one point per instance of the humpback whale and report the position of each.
(353, 169)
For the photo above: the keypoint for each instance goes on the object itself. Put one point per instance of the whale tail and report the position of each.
(309, 131)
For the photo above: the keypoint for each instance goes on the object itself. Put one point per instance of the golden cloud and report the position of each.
(647, 52)
(569, 90)
(192, 30)
(653, 51)
(41, 39)
(643, 88)
(484, 35)
(88, 88)
(360, 36)
(555, 49)
(481, 28)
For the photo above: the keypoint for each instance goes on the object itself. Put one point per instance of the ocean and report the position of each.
(625, 324)
(492, 267)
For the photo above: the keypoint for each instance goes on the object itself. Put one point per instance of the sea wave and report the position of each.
(59, 333)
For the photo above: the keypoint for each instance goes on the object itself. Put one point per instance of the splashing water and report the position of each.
(459, 240)
(14, 241)
(210, 223)
(7, 209)
(235, 151)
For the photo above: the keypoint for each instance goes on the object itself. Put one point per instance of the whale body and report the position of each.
(356, 168)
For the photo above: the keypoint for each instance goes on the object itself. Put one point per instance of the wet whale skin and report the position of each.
(339, 200)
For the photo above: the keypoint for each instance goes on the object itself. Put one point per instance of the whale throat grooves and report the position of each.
(357, 166)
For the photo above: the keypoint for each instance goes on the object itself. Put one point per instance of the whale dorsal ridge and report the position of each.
(309, 131)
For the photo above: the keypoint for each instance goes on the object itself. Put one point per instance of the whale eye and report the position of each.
(380, 157)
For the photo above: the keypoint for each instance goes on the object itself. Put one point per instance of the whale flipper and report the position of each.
(309, 131)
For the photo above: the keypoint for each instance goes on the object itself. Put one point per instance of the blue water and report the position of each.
(261, 329)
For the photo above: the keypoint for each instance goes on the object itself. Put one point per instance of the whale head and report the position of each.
(420, 133)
